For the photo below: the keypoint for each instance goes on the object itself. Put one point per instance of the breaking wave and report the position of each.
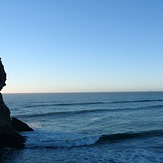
(40, 139)
(130, 135)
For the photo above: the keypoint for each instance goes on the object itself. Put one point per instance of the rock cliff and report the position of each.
(9, 137)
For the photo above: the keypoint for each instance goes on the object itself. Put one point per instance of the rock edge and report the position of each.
(9, 128)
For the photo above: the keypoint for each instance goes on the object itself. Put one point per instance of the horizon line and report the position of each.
(79, 92)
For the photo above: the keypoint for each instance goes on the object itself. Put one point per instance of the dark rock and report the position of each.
(8, 136)
(11, 139)
(19, 125)
(2, 76)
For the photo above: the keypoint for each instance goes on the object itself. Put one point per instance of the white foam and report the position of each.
(58, 139)
(34, 125)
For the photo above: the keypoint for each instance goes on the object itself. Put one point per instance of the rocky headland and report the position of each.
(9, 127)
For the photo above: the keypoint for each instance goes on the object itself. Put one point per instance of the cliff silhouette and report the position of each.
(9, 127)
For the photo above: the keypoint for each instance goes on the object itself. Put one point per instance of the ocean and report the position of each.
(88, 127)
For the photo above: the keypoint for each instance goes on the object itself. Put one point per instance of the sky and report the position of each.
(82, 45)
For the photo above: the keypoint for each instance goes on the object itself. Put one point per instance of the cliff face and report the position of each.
(2, 76)
(8, 136)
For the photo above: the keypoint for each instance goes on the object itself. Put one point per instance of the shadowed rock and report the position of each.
(11, 139)
(19, 125)
(2, 76)
(8, 136)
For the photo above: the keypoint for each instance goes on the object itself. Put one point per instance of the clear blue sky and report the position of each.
(82, 45)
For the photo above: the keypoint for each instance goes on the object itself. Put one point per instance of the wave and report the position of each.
(62, 113)
(63, 104)
(87, 111)
(40, 139)
(130, 135)
(49, 139)
(138, 101)
(91, 103)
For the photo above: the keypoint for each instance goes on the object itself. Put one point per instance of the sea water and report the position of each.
(88, 127)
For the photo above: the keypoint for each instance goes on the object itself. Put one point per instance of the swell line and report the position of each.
(123, 136)
(87, 111)
(63, 113)
(91, 103)
(63, 104)
(138, 101)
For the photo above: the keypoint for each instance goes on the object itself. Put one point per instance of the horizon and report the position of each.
(82, 92)
(82, 46)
